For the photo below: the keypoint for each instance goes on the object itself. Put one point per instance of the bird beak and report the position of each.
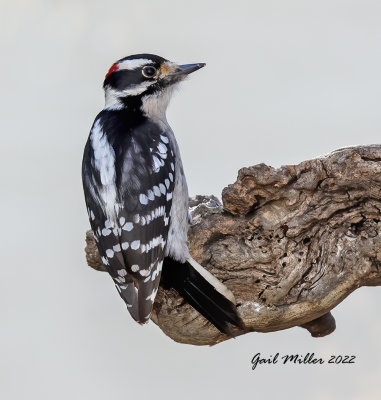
(179, 72)
(189, 68)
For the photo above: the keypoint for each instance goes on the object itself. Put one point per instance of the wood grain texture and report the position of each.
(291, 243)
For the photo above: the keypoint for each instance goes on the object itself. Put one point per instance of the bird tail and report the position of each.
(202, 291)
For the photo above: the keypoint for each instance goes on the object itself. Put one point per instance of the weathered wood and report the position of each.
(291, 243)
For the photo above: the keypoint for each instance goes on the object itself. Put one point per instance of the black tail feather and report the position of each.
(200, 294)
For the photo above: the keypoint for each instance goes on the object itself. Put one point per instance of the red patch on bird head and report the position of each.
(113, 68)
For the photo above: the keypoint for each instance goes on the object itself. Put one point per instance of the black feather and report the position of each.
(135, 143)
(200, 294)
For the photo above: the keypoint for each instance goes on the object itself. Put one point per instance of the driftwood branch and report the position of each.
(291, 243)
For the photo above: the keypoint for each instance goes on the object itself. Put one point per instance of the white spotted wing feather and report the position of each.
(129, 197)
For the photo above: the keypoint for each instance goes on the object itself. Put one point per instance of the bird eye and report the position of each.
(149, 71)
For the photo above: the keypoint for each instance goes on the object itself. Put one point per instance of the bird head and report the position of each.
(144, 78)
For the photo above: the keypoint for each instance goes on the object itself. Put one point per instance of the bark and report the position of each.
(291, 243)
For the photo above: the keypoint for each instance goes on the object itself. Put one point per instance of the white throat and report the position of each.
(155, 105)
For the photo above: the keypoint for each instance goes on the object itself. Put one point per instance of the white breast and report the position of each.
(177, 246)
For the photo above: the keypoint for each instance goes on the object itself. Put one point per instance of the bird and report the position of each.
(137, 196)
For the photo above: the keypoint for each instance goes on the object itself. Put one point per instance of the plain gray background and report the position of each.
(285, 81)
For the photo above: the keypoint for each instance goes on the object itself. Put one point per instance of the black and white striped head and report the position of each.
(143, 78)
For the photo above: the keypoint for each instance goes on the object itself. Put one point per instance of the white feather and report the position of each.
(155, 105)
(219, 286)
(134, 64)
(104, 162)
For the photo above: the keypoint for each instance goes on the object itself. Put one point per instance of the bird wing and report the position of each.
(129, 208)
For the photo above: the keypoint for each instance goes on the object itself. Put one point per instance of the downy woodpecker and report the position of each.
(137, 196)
